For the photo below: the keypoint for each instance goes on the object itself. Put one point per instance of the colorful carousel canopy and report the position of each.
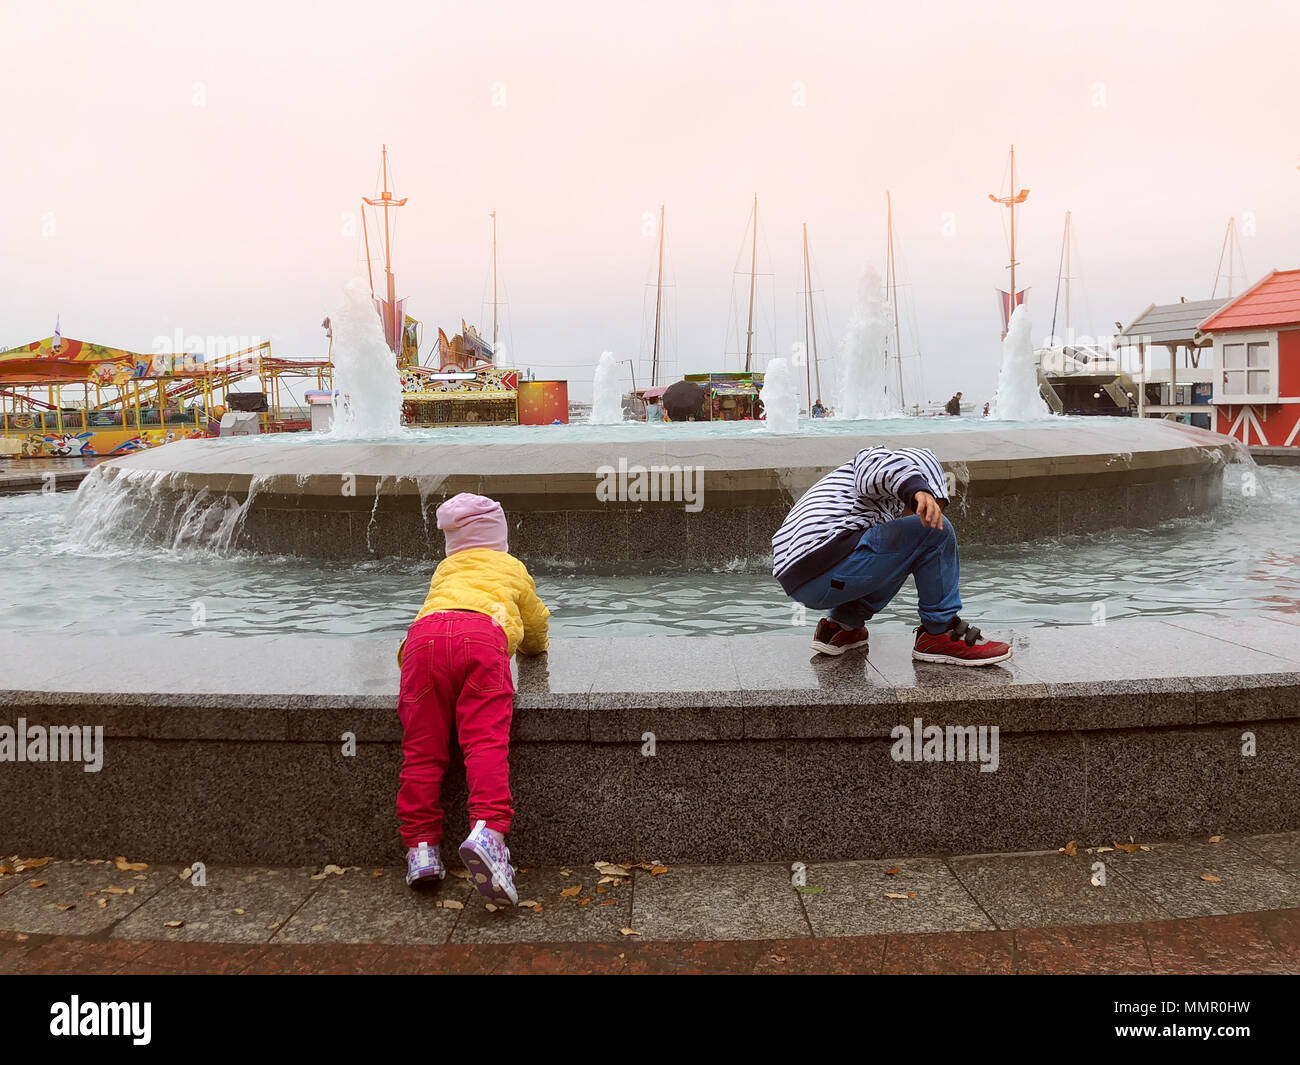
(62, 360)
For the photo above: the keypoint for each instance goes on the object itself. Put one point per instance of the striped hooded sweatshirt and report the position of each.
(824, 527)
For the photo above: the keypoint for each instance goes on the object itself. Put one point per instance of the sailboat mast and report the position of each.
(659, 301)
(494, 281)
(1229, 250)
(388, 246)
(753, 276)
(807, 337)
(891, 272)
(1063, 275)
(1013, 233)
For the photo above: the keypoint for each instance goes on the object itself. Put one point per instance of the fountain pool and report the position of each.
(1243, 559)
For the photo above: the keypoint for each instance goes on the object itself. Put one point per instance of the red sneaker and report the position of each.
(960, 645)
(831, 639)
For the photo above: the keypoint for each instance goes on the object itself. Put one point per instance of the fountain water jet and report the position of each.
(1018, 398)
(780, 398)
(864, 377)
(368, 393)
(606, 396)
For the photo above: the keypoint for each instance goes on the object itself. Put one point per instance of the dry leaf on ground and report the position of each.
(334, 869)
(569, 892)
(1209, 879)
(1127, 848)
(1217, 839)
(449, 904)
(1071, 849)
(900, 895)
(892, 872)
(629, 932)
(173, 924)
(36, 883)
(124, 866)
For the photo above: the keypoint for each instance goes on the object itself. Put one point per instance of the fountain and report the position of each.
(368, 394)
(864, 380)
(780, 398)
(606, 395)
(1017, 398)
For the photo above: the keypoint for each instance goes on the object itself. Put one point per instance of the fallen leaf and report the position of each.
(36, 883)
(808, 889)
(899, 895)
(528, 902)
(1071, 849)
(566, 872)
(607, 880)
(776, 957)
(1127, 848)
(629, 932)
(584, 901)
(569, 892)
(113, 889)
(63, 905)
(892, 872)
(1211, 879)
(1216, 839)
(449, 904)
(31, 863)
(5, 869)
(611, 868)
(609, 902)
(377, 872)
(658, 870)
(124, 866)
(491, 908)
(1104, 850)
(186, 873)
(537, 908)
(600, 889)
(173, 924)
(240, 911)
(273, 926)
(101, 903)
(334, 869)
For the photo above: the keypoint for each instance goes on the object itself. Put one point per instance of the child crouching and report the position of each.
(482, 607)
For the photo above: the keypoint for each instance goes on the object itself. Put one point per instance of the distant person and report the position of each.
(953, 406)
(818, 411)
(986, 410)
(856, 535)
(482, 607)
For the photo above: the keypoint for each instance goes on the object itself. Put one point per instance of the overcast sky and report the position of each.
(190, 167)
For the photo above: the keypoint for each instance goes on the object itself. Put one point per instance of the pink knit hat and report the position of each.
(467, 520)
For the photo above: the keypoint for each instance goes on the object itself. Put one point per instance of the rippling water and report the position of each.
(1243, 560)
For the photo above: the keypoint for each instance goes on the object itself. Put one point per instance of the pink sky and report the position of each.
(1151, 122)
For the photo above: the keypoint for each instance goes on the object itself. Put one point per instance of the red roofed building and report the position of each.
(1256, 340)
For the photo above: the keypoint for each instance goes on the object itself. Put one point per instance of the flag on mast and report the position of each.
(1006, 307)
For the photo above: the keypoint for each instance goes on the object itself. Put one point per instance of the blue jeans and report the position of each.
(863, 583)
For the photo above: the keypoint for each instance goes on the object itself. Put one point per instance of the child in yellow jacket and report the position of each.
(482, 607)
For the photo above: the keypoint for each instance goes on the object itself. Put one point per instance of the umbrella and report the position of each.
(683, 400)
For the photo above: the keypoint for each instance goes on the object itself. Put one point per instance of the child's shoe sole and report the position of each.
(425, 881)
(480, 875)
(950, 660)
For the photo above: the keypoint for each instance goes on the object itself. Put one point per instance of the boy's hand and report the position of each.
(928, 510)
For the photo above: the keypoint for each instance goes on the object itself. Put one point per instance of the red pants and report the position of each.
(455, 673)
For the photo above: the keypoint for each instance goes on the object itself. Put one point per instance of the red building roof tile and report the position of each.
(1273, 301)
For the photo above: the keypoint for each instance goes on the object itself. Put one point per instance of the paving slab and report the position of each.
(1172, 874)
(237, 905)
(597, 912)
(721, 902)
(854, 899)
(80, 886)
(1051, 890)
(359, 907)
(1280, 848)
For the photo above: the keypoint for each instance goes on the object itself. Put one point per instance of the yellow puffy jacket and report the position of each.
(494, 583)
